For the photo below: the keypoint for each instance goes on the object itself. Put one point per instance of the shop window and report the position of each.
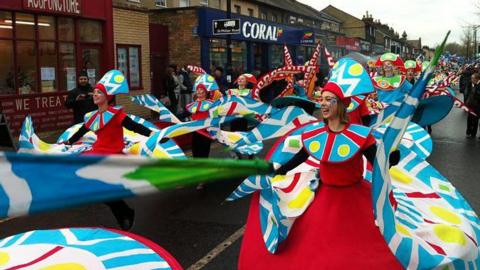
(276, 56)
(90, 31)
(218, 55)
(238, 9)
(68, 72)
(25, 26)
(128, 61)
(26, 67)
(6, 26)
(161, 3)
(184, 3)
(46, 28)
(204, 3)
(48, 66)
(263, 15)
(91, 63)
(7, 79)
(66, 29)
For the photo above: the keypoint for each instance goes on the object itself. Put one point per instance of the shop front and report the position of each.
(350, 44)
(256, 46)
(43, 47)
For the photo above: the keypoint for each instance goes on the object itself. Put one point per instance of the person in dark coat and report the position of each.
(466, 82)
(473, 102)
(169, 85)
(80, 99)
(221, 80)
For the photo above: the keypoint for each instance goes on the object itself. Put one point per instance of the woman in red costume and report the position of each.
(337, 230)
(108, 122)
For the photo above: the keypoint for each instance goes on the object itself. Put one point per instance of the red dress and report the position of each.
(337, 231)
(109, 137)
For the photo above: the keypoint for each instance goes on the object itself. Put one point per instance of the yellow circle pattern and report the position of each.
(355, 69)
(314, 146)
(119, 78)
(450, 234)
(205, 107)
(343, 150)
(4, 258)
(446, 215)
(65, 266)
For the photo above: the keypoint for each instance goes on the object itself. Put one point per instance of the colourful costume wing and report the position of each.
(234, 105)
(83, 248)
(151, 102)
(277, 125)
(428, 233)
(76, 180)
(282, 198)
(29, 142)
(415, 138)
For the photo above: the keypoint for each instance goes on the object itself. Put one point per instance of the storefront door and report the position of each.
(90, 61)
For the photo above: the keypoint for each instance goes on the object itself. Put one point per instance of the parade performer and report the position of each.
(412, 70)
(339, 220)
(199, 110)
(390, 84)
(242, 91)
(108, 122)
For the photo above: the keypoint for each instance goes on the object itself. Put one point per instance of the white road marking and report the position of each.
(212, 254)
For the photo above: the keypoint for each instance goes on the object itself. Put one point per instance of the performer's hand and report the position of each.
(394, 158)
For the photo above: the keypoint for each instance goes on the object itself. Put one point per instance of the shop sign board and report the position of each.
(65, 7)
(212, 24)
(48, 111)
(226, 27)
(351, 44)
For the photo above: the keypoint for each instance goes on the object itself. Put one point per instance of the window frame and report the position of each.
(127, 47)
(36, 40)
(157, 3)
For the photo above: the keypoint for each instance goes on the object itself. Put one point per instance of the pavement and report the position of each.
(203, 231)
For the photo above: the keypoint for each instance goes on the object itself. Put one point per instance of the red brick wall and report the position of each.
(184, 46)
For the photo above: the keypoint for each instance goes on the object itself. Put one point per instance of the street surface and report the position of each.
(190, 223)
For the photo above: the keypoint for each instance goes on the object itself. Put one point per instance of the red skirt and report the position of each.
(337, 231)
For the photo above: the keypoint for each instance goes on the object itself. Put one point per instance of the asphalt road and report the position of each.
(190, 223)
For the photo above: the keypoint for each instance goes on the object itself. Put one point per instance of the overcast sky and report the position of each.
(428, 19)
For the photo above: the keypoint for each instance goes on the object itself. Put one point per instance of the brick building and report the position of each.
(132, 51)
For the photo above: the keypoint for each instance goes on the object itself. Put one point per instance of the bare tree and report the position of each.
(467, 40)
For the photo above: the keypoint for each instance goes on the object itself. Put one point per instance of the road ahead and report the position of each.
(190, 223)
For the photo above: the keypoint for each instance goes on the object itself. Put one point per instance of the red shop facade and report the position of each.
(44, 45)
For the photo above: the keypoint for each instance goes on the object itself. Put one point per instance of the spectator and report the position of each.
(473, 101)
(170, 84)
(221, 80)
(185, 85)
(80, 99)
(466, 82)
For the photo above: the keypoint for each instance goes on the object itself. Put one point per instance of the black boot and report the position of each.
(124, 215)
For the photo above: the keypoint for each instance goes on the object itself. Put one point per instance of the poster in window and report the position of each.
(71, 78)
(122, 60)
(134, 68)
(47, 73)
(91, 73)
